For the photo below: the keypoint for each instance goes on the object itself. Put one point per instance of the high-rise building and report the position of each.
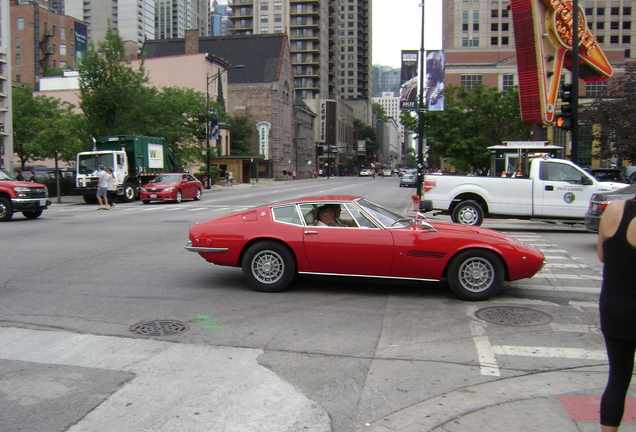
(218, 19)
(386, 79)
(133, 19)
(313, 29)
(174, 17)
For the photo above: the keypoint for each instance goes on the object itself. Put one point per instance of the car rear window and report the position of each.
(287, 214)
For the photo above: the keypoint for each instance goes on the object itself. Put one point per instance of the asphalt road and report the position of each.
(347, 353)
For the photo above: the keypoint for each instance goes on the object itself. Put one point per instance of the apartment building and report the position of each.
(42, 40)
(174, 17)
(134, 19)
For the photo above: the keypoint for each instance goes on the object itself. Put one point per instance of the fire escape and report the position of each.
(46, 51)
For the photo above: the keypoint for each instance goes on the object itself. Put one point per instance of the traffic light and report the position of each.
(564, 121)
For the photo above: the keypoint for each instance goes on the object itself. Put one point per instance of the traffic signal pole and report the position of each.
(574, 133)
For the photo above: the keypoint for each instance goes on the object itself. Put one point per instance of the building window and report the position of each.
(627, 10)
(62, 32)
(17, 43)
(278, 29)
(614, 25)
(627, 25)
(628, 53)
(18, 78)
(589, 11)
(494, 13)
(508, 80)
(17, 60)
(494, 27)
(600, 11)
(505, 40)
(615, 11)
(470, 42)
(494, 40)
(505, 26)
(600, 25)
(597, 89)
(278, 5)
(63, 65)
(20, 23)
(278, 18)
(264, 6)
(465, 21)
(627, 39)
(470, 81)
(476, 20)
(505, 13)
(264, 18)
(62, 49)
(600, 39)
(264, 30)
(614, 39)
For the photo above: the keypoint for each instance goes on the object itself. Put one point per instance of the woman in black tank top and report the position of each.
(617, 306)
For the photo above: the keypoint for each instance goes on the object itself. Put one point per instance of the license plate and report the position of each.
(43, 203)
(153, 196)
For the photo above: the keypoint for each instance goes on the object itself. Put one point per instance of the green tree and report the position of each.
(615, 117)
(26, 111)
(61, 133)
(369, 134)
(378, 111)
(473, 119)
(241, 134)
(113, 96)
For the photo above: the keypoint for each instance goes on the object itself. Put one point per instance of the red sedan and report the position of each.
(171, 187)
(275, 242)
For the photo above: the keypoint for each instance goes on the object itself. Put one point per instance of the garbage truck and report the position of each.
(134, 160)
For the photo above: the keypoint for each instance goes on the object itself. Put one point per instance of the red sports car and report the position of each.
(171, 187)
(275, 242)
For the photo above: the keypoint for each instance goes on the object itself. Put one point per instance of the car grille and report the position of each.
(38, 192)
(153, 190)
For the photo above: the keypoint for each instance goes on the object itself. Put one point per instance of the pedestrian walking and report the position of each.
(111, 188)
(102, 188)
(616, 248)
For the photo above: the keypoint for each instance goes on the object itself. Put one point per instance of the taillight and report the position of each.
(602, 207)
(429, 185)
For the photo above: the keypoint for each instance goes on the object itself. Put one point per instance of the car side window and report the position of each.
(287, 214)
(562, 172)
(361, 219)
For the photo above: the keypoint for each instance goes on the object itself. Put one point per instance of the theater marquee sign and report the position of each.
(543, 38)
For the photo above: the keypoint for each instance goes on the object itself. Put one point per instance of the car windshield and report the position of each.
(167, 178)
(386, 217)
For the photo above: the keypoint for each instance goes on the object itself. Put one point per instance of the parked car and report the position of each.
(599, 201)
(386, 172)
(171, 187)
(408, 180)
(366, 173)
(608, 174)
(276, 242)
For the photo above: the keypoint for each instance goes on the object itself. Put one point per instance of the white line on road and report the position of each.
(550, 352)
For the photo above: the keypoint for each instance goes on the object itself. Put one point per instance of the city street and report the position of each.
(108, 324)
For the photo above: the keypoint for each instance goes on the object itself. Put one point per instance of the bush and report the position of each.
(215, 173)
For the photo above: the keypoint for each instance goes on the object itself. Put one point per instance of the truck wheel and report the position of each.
(268, 266)
(32, 214)
(476, 275)
(468, 213)
(130, 193)
(6, 211)
(90, 199)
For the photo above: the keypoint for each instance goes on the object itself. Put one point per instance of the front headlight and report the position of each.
(143, 189)
(170, 189)
(22, 192)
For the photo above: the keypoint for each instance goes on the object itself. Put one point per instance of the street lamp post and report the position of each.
(208, 130)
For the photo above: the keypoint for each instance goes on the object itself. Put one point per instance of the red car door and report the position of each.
(345, 250)
(187, 187)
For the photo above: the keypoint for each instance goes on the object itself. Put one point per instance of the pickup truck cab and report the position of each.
(20, 196)
(554, 190)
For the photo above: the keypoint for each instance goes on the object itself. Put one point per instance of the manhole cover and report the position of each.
(513, 316)
(159, 328)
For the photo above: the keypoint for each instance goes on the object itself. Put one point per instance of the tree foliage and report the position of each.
(241, 134)
(473, 119)
(113, 96)
(614, 118)
(369, 134)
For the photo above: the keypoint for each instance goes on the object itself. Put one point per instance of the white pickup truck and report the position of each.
(552, 189)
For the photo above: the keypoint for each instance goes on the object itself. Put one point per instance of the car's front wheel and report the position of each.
(268, 266)
(476, 275)
(32, 214)
(178, 197)
(6, 211)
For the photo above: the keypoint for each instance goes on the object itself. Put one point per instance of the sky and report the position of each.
(397, 26)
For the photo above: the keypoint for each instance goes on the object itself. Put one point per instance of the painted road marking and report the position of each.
(551, 352)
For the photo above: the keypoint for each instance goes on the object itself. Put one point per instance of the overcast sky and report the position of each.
(397, 26)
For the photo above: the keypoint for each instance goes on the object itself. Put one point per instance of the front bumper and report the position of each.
(30, 204)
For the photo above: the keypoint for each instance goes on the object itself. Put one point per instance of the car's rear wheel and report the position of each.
(268, 266)
(476, 275)
(197, 197)
(468, 213)
(6, 211)
(32, 214)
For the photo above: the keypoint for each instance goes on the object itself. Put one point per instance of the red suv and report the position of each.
(19, 196)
